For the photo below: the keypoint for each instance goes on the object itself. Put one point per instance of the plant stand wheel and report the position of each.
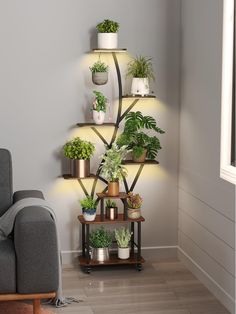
(87, 269)
(139, 267)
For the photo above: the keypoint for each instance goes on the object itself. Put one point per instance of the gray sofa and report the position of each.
(28, 258)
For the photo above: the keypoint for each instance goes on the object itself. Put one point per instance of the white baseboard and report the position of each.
(207, 280)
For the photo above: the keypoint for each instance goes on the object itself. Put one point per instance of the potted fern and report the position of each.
(123, 237)
(99, 107)
(89, 207)
(100, 240)
(99, 73)
(135, 136)
(112, 169)
(79, 152)
(107, 34)
(141, 71)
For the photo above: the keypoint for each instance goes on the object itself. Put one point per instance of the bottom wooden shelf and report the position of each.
(114, 260)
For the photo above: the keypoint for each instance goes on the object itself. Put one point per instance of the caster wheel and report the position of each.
(87, 270)
(139, 267)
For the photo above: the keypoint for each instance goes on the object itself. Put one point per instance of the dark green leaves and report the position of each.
(108, 26)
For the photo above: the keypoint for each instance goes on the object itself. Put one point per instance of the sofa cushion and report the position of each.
(5, 180)
(7, 267)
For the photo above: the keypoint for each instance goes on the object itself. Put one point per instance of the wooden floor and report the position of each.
(162, 287)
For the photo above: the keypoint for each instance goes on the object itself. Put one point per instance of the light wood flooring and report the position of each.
(162, 287)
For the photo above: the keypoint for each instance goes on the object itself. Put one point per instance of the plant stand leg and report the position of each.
(83, 240)
(36, 306)
(87, 243)
(139, 241)
(132, 238)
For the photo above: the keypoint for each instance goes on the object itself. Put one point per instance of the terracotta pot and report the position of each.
(100, 78)
(113, 188)
(80, 168)
(134, 213)
(141, 158)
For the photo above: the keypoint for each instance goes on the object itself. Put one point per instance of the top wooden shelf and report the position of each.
(139, 96)
(122, 195)
(109, 50)
(94, 124)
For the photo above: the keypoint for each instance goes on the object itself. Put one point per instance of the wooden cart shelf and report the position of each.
(98, 220)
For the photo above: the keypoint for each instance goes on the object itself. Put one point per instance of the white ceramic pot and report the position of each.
(123, 252)
(89, 216)
(107, 40)
(98, 116)
(140, 86)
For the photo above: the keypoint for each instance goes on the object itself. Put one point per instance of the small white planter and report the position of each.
(123, 252)
(107, 40)
(98, 116)
(140, 86)
(88, 216)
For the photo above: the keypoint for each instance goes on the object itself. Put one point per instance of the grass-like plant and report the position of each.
(141, 67)
(100, 238)
(108, 26)
(99, 66)
(123, 237)
(135, 135)
(88, 203)
(111, 167)
(134, 200)
(78, 149)
(100, 102)
(110, 204)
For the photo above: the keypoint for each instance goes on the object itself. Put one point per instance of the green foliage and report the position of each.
(110, 204)
(123, 236)
(99, 66)
(100, 102)
(111, 166)
(135, 135)
(100, 238)
(88, 203)
(134, 200)
(78, 149)
(141, 67)
(108, 26)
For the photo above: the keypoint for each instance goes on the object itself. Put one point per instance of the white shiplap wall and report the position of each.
(206, 203)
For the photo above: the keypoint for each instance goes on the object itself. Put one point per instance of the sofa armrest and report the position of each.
(19, 195)
(36, 250)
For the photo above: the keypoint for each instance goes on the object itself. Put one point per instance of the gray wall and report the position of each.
(45, 89)
(206, 203)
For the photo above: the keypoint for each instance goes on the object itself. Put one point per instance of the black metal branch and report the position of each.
(83, 187)
(136, 177)
(99, 135)
(128, 109)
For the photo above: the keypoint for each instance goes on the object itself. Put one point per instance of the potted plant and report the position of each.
(112, 169)
(107, 34)
(79, 152)
(99, 73)
(99, 107)
(111, 210)
(134, 205)
(89, 207)
(123, 236)
(135, 136)
(141, 71)
(100, 240)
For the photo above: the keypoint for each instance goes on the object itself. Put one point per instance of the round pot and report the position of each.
(107, 40)
(100, 78)
(89, 215)
(111, 213)
(100, 254)
(134, 213)
(98, 116)
(123, 252)
(113, 188)
(142, 158)
(80, 168)
(140, 86)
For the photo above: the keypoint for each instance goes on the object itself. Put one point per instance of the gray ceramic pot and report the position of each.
(100, 78)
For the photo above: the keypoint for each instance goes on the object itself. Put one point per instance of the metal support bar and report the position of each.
(128, 109)
(99, 135)
(87, 243)
(132, 238)
(126, 185)
(102, 208)
(83, 240)
(83, 187)
(139, 240)
(136, 177)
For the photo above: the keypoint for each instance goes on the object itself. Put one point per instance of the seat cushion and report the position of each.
(7, 267)
(5, 180)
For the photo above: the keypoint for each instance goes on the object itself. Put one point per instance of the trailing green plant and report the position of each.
(88, 203)
(108, 26)
(100, 102)
(134, 200)
(135, 135)
(78, 149)
(110, 204)
(141, 67)
(111, 165)
(99, 66)
(123, 237)
(100, 238)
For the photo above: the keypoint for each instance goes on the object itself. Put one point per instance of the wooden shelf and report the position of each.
(94, 124)
(69, 177)
(139, 96)
(122, 195)
(114, 260)
(98, 220)
(146, 162)
(109, 50)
